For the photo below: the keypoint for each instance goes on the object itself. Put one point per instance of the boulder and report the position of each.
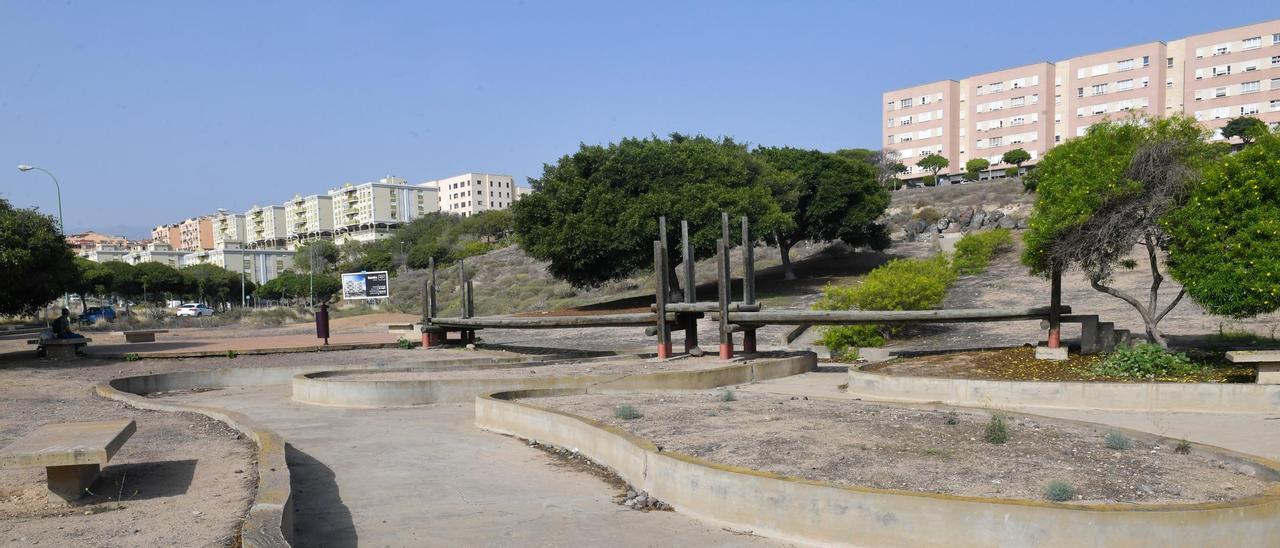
(943, 223)
(1007, 222)
(966, 217)
(1023, 223)
(979, 217)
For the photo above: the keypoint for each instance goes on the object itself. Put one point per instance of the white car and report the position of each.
(194, 310)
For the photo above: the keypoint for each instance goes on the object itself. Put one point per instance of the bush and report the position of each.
(929, 180)
(997, 430)
(1146, 361)
(901, 284)
(928, 215)
(971, 175)
(975, 250)
(404, 344)
(1117, 441)
(626, 412)
(1011, 172)
(727, 395)
(1059, 491)
(1183, 447)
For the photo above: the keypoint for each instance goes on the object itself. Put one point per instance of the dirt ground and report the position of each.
(181, 480)
(1021, 364)
(610, 367)
(915, 449)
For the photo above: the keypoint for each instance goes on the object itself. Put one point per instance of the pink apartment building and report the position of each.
(1214, 76)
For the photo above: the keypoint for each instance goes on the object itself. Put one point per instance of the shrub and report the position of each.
(901, 284)
(928, 215)
(404, 344)
(1059, 491)
(231, 354)
(1117, 441)
(1145, 361)
(132, 357)
(1183, 447)
(997, 430)
(1011, 172)
(951, 418)
(975, 249)
(727, 395)
(971, 175)
(626, 412)
(929, 180)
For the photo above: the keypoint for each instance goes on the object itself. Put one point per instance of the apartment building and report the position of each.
(105, 252)
(265, 227)
(370, 211)
(258, 265)
(156, 252)
(228, 228)
(85, 242)
(1214, 77)
(196, 233)
(471, 193)
(168, 235)
(308, 218)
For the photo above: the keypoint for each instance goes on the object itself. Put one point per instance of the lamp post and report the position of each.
(62, 226)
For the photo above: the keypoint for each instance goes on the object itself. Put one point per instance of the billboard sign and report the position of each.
(365, 285)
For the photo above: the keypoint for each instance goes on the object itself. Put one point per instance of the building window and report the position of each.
(1252, 43)
(1222, 70)
(996, 141)
(906, 103)
(891, 106)
(1275, 39)
(1275, 105)
(1222, 49)
(1168, 84)
(1251, 87)
(1146, 60)
(1124, 85)
(1057, 138)
(1168, 62)
(1220, 92)
(1249, 109)
(1079, 92)
(1099, 89)
(1145, 81)
(1275, 60)
(1124, 64)
(1017, 101)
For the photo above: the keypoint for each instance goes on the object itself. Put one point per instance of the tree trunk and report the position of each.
(1150, 318)
(784, 248)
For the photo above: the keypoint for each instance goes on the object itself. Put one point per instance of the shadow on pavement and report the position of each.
(320, 518)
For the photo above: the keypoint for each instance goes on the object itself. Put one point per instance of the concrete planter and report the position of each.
(815, 512)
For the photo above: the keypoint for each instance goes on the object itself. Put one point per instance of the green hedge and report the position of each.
(975, 249)
(901, 284)
(1146, 361)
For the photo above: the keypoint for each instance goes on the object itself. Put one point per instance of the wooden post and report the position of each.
(689, 320)
(722, 275)
(462, 285)
(748, 282)
(432, 307)
(1055, 315)
(660, 298)
(471, 300)
(429, 339)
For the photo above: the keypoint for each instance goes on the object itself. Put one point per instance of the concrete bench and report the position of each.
(60, 348)
(72, 453)
(399, 327)
(1095, 335)
(1268, 362)
(142, 335)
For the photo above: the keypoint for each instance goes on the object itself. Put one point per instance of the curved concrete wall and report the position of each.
(815, 512)
(326, 388)
(1138, 396)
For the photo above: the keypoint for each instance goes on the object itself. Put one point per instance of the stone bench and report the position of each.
(72, 453)
(399, 327)
(142, 335)
(1267, 361)
(1095, 335)
(60, 348)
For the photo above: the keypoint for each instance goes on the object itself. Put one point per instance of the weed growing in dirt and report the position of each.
(132, 357)
(1059, 491)
(727, 395)
(1183, 447)
(1117, 441)
(997, 430)
(626, 412)
(404, 344)
(951, 418)
(1146, 361)
(231, 354)
(937, 452)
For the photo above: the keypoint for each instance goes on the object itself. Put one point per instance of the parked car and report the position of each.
(194, 310)
(95, 313)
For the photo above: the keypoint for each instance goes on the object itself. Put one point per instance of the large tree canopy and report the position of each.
(1225, 243)
(1101, 194)
(594, 214)
(835, 198)
(36, 264)
(1244, 127)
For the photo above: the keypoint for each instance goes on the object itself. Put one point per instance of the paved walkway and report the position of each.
(426, 476)
(1253, 433)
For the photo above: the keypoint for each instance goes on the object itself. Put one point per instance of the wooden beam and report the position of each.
(552, 322)
(853, 317)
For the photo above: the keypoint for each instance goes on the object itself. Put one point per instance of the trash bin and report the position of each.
(322, 323)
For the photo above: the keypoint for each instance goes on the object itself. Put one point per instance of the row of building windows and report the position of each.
(1122, 85)
(1105, 68)
(1239, 67)
(1225, 48)
(1016, 83)
(908, 102)
(1013, 102)
(1243, 88)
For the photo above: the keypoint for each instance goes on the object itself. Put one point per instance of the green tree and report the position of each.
(296, 288)
(1100, 195)
(325, 253)
(214, 284)
(1225, 243)
(491, 226)
(158, 280)
(974, 168)
(36, 264)
(594, 214)
(934, 163)
(1017, 157)
(124, 280)
(836, 199)
(887, 163)
(92, 278)
(1244, 127)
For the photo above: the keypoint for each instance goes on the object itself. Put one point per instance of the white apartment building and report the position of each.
(228, 228)
(265, 227)
(370, 211)
(308, 218)
(102, 253)
(259, 265)
(156, 252)
(471, 193)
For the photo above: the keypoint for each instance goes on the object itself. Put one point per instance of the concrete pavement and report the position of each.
(426, 476)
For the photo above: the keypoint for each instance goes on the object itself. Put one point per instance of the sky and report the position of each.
(152, 112)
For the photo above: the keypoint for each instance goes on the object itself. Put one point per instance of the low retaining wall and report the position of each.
(815, 512)
(1115, 396)
(326, 388)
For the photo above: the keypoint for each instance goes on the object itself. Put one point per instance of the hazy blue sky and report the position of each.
(152, 111)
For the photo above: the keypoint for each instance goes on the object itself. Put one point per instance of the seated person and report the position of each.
(62, 327)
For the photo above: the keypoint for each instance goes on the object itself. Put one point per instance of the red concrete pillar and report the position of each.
(726, 350)
(664, 351)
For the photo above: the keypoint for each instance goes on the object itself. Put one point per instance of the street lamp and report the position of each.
(62, 227)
